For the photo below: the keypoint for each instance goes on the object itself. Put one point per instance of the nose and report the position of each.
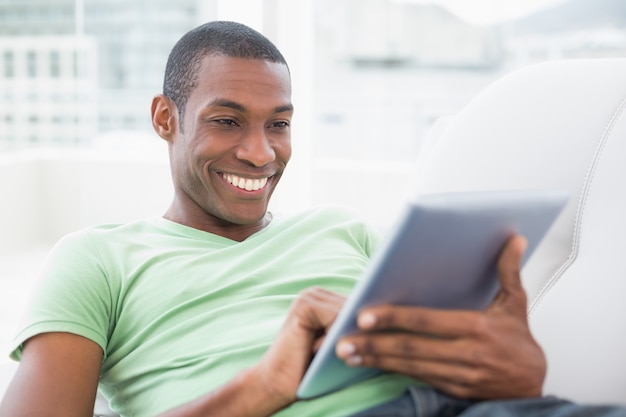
(255, 148)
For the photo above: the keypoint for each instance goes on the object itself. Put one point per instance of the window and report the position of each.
(75, 64)
(31, 64)
(55, 64)
(8, 64)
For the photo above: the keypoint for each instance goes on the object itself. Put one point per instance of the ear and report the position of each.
(164, 117)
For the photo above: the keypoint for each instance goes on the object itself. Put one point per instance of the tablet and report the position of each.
(441, 253)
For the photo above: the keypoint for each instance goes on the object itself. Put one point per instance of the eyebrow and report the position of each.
(236, 106)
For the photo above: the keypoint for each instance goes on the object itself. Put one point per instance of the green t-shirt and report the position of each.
(179, 312)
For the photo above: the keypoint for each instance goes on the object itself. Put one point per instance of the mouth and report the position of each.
(248, 184)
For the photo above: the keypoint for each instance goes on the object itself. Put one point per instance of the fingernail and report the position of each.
(355, 360)
(345, 349)
(367, 321)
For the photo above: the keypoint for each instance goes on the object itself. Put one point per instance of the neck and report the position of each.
(220, 227)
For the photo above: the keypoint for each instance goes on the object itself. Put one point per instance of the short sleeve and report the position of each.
(73, 294)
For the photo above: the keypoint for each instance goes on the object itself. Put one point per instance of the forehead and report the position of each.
(241, 80)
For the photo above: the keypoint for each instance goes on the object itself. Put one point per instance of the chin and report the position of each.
(249, 218)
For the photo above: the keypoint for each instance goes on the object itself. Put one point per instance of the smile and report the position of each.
(247, 184)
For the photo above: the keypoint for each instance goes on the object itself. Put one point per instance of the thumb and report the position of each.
(509, 266)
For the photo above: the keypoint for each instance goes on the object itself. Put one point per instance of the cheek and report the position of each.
(283, 150)
(287, 155)
(190, 162)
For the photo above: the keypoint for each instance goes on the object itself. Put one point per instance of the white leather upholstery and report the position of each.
(101, 407)
(556, 125)
(7, 370)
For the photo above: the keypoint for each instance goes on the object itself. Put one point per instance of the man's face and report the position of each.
(235, 141)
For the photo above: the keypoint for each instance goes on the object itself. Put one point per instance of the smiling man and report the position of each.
(217, 307)
(230, 146)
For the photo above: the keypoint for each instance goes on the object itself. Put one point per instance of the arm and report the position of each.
(58, 373)
(469, 354)
(57, 376)
(272, 384)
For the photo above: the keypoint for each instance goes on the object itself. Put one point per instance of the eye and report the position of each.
(280, 124)
(226, 122)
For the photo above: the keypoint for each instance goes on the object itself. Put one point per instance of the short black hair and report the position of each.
(225, 38)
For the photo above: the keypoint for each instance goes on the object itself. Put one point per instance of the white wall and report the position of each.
(46, 194)
(20, 220)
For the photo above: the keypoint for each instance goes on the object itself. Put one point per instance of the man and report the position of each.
(216, 308)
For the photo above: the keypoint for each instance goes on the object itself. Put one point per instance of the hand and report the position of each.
(468, 354)
(272, 383)
(284, 364)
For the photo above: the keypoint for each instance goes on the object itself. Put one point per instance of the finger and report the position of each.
(462, 381)
(457, 387)
(310, 316)
(317, 308)
(509, 262)
(511, 292)
(442, 323)
(320, 294)
(450, 378)
(407, 346)
(460, 368)
(317, 343)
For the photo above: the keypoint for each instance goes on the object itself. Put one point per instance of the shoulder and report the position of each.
(95, 247)
(108, 232)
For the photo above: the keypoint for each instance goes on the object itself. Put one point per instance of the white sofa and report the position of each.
(554, 125)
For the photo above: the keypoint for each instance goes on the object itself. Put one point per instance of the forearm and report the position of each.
(246, 395)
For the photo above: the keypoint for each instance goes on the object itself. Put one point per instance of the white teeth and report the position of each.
(247, 184)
